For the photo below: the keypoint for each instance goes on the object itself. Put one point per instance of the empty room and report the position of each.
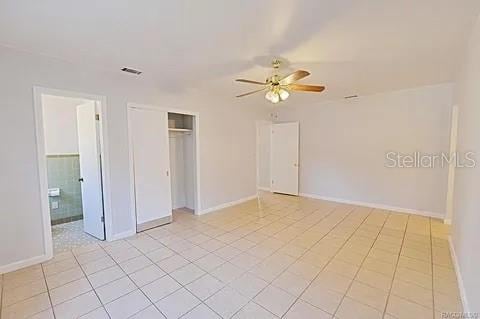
(213, 159)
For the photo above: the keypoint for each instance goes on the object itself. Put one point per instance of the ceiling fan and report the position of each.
(278, 86)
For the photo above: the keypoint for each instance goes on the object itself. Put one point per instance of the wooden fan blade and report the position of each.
(252, 92)
(293, 77)
(250, 81)
(306, 88)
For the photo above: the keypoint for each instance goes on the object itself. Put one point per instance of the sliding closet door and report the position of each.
(150, 148)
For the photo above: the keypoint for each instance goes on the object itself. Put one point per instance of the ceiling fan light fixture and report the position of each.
(273, 97)
(270, 95)
(278, 87)
(283, 94)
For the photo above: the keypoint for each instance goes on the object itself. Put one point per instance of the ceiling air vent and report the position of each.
(350, 97)
(133, 71)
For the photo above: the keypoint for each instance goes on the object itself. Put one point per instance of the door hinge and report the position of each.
(168, 174)
(272, 181)
(80, 179)
(102, 219)
(97, 117)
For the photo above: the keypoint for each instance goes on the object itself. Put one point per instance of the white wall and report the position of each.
(343, 146)
(466, 214)
(263, 154)
(60, 124)
(227, 142)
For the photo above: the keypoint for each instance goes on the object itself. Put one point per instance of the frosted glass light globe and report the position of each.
(275, 98)
(283, 94)
(269, 95)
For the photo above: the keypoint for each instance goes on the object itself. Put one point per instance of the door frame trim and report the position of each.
(131, 106)
(258, 124)
(42, 165)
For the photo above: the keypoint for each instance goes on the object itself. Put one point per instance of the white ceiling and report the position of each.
(351, 46)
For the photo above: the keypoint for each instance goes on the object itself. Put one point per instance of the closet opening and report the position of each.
(164, 164)
(182, 149)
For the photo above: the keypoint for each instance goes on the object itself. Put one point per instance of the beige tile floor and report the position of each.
(290, 258)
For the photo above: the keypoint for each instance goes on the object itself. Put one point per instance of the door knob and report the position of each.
(80, 179)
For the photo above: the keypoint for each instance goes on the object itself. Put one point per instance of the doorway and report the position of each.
(182, 149)
(284, 154)
(71, 161)
(263, 139)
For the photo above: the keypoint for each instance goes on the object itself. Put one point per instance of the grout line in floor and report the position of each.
(308, 250)
(396, 266)
(127, 275)
(298, 258)
(269, 236)
(91, 286)
(363, 260)
(236, 223)
(181, 285)
(48, 291)
(228, 284)
(321, 268)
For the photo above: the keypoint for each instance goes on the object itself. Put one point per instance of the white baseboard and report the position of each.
(24, 263)
(130, 233)
(461, 286)
(375, 205)
(225, 205)
(123, 235)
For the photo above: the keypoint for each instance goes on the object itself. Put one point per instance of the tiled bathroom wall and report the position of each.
(64, 172)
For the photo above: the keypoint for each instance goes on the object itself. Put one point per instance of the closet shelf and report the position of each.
(179, 129)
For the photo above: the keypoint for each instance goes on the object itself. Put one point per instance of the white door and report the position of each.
(284, 156)
(90, 170)
(151, 166)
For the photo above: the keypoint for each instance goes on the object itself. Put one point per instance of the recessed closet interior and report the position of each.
(181, 128)
(164, 178)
